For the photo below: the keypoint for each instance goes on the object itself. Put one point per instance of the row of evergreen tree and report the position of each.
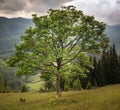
(106, 69)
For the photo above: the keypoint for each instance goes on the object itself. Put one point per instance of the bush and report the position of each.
(89, 85)
(24, 88)
(77, 85)
(66, 86)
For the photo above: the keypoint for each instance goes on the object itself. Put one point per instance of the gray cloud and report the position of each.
(25, 8)
(104, 10)
(107, 11)
(12, 5)
(42, 6)
(118, 1)
(17, 5)
(52, 3)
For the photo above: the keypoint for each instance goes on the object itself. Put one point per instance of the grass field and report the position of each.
(35, 83)
(104, 98)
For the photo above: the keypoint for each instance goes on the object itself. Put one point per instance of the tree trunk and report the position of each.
(58, 85)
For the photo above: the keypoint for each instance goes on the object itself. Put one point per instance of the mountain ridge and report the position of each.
(10, 31)
(12, 28)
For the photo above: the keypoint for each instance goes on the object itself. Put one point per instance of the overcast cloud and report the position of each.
(107, 11)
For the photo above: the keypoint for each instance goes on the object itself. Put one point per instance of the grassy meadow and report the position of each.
(104, 98)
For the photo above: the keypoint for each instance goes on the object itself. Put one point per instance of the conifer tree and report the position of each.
(107, 68)
(114, 64)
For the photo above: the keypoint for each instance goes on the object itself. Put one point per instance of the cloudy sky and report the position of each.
(107, 11)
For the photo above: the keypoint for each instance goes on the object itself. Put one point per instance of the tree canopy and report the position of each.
(56, 40)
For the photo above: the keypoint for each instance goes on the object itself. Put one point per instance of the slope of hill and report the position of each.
(105, 98)
(10, 32)
(8, 74)
(12, 29)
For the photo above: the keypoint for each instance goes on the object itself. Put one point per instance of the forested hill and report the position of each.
(10, 32)
(7, 74)
(12, 29)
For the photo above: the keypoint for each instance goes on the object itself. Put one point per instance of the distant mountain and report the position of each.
(10, 32)
(12, 29)
(113, 32)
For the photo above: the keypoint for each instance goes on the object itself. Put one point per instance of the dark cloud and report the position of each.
(26, 7)
(17, 5)
(107, 11)
(2, 1)
(118, 2)
(12, 5)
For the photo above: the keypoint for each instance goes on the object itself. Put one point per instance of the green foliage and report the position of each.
(56, 40)
(49, 81)
(24, 88)
(8, 76)
(77, 85)
(95, 83)
(3, 86)
(61, 35)
(106, 69)
(67, 83)
(12, 29)
(89, 85)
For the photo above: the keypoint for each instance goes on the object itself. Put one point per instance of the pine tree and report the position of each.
(114, 65)
(106, 69)
(100, 74)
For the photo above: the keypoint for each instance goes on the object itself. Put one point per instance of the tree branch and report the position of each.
(70, 42)
(71, 58)
(52, 64)
(77, 40)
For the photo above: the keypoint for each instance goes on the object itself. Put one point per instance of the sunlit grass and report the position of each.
(105, 98)
(35, 86)
(35, 83)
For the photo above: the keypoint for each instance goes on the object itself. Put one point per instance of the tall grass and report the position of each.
(104, 98)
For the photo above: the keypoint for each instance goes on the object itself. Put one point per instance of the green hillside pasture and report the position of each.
(35, 83)
(35, 86)
(104, 98)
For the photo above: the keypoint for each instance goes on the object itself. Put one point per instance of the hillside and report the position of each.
(12, 29)
(8, 74)
(10, 32)
(104, 98)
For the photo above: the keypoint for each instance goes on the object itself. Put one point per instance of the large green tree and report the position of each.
(56, 40)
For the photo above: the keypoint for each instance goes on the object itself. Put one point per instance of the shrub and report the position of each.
(77, 84)
(24, 88)
(89, 85)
